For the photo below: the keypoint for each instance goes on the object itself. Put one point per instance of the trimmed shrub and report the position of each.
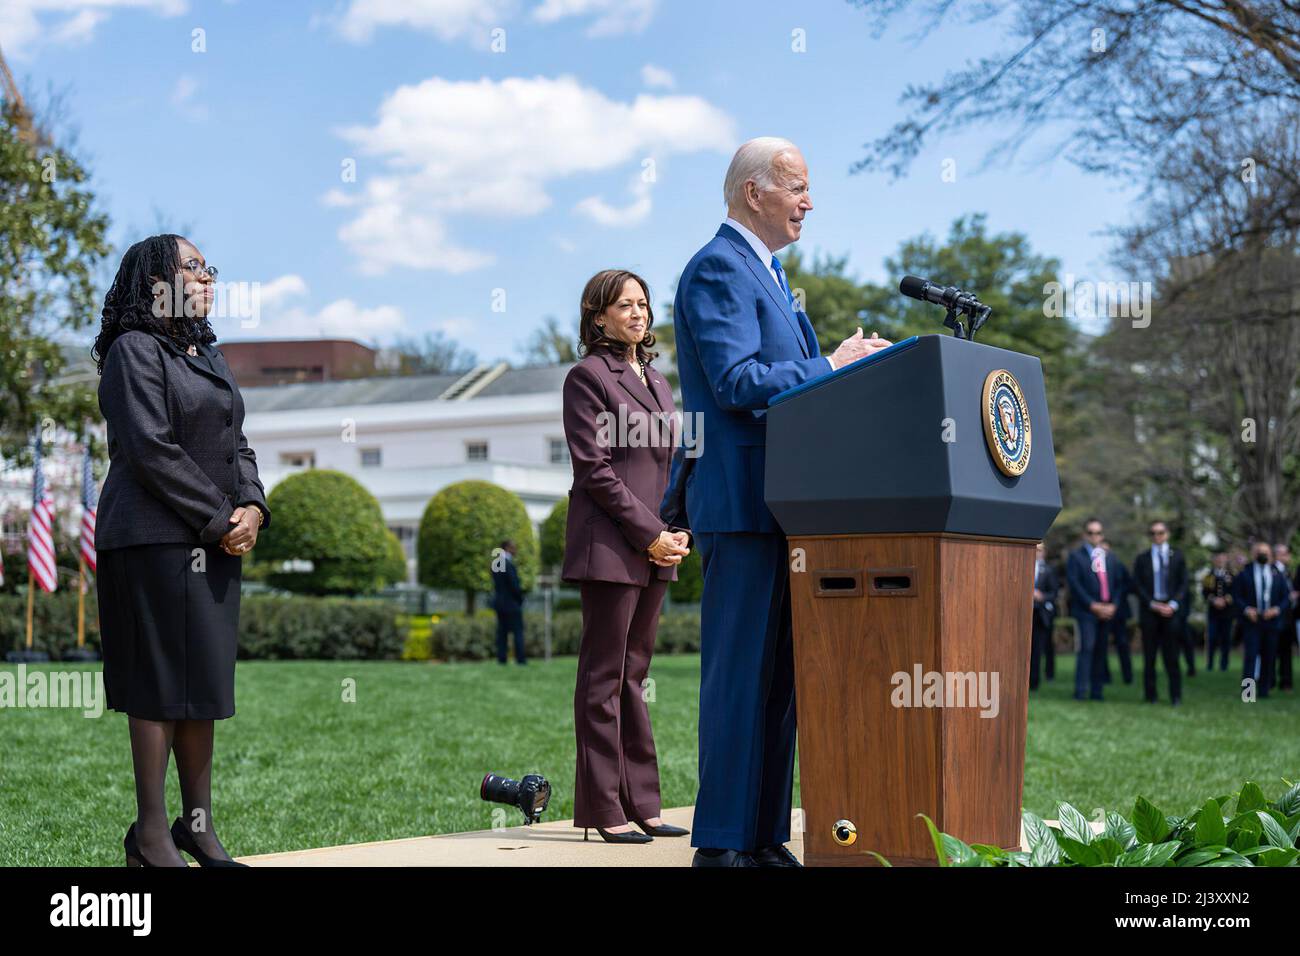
(462, 526)
(329, 519)
(551, 534)
(293, 627)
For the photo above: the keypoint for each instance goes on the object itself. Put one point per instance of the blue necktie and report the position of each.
(780, 280)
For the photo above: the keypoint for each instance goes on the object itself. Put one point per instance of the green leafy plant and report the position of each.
(1258, 832)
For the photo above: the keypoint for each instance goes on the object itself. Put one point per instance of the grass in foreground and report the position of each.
(297, 767)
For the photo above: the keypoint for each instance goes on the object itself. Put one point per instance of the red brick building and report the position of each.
(283, 361)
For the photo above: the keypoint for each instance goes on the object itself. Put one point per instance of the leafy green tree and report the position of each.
(552, 534)
(52, 241)
(331, 520)
(462, 528)
(394, 567)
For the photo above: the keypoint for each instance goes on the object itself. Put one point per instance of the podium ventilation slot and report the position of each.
(839, 583)
(892, 582)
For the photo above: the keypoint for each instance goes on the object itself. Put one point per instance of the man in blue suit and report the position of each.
(1262, 597)
(742, 338)
(1093, 575)
(508, 601)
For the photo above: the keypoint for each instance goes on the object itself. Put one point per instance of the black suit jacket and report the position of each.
(1279, 596)
(178, 460)
(1144, 580)
(509, 593)
(1046, 609)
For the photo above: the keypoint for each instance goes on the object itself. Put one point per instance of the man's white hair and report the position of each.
(754, 160)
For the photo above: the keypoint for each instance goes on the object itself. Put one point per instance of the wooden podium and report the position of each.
(912, 557)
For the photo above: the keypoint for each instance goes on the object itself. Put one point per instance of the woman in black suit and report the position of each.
(620, 551)
(181, 505)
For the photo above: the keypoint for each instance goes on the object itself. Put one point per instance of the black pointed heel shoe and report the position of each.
(133, 855)
(664, 829)
(184, 840)
(631, 836)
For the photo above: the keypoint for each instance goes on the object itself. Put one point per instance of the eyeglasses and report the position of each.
(1159, 532)
(198, 267)
(1094, 534)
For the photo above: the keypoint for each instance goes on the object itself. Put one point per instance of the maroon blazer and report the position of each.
(618, 482)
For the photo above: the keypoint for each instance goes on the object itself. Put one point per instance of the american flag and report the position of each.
(89, 505)
(40, 531)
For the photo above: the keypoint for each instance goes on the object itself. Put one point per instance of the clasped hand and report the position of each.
(242, 536)
(669, 548)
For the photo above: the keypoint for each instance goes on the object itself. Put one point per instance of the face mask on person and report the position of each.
(1261, 559)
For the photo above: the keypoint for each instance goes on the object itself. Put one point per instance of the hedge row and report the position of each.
(271, 627)
(458, 637)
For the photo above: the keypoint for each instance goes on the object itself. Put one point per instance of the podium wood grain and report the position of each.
(865, 760)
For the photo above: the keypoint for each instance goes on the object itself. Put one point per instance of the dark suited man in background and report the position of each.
(1286, 635)
(1261, 595)
(1046, 588)
(1118, 628)
(1216, 587)
(509, 603)
(1160, 578)
(1090, 571)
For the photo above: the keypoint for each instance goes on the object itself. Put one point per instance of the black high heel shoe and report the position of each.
(630, 836)
(133, 855)
(184, 840)
(664, 829)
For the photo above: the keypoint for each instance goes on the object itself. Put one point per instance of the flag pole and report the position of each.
(31, 586)
(81, 601)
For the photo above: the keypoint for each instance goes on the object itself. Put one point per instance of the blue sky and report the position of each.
(486, 175)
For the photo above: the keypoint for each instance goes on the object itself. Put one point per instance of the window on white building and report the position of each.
(371, 458)
(476, 451)
(559, 451)
(298, 459)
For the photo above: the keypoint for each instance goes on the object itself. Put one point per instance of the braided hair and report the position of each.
(129, 303)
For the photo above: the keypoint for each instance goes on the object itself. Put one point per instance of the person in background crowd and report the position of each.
(1118, 629)
(1216, 587)
(509, 601)
(1046, 588)
(1160, 578)
(1286, 635)
(1261, 595)
(1090, 571)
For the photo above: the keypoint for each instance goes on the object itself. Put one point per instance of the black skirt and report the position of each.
(169, 629)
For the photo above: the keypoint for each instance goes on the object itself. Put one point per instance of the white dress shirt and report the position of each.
(1160, 555)
(764, 256)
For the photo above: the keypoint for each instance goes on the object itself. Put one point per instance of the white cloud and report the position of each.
(453, 19)
(656, 76)
(596, 209)
(448, 19)
(28, 24)
(283, 315)
(491, 148)
(611, 16)
(183, 98)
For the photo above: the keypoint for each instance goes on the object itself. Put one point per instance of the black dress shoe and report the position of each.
(133, 855)
(775, 855)
(627, 836)
(725, 858)
(664, 829)
(184, 840)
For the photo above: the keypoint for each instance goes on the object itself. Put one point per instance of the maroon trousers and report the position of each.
(617, 773)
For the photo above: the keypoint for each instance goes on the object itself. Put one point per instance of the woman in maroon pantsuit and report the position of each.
(618, 423)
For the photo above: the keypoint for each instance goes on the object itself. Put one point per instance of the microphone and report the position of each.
(951, 298)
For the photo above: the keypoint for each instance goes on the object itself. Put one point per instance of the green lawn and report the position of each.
(297, 767)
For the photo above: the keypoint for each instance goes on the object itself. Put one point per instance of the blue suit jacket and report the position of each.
(738, 344)
(1243, 596)
(1085, 586)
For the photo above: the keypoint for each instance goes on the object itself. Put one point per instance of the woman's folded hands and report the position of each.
(669, 548)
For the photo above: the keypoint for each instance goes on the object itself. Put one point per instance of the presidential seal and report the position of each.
(1006, 422)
